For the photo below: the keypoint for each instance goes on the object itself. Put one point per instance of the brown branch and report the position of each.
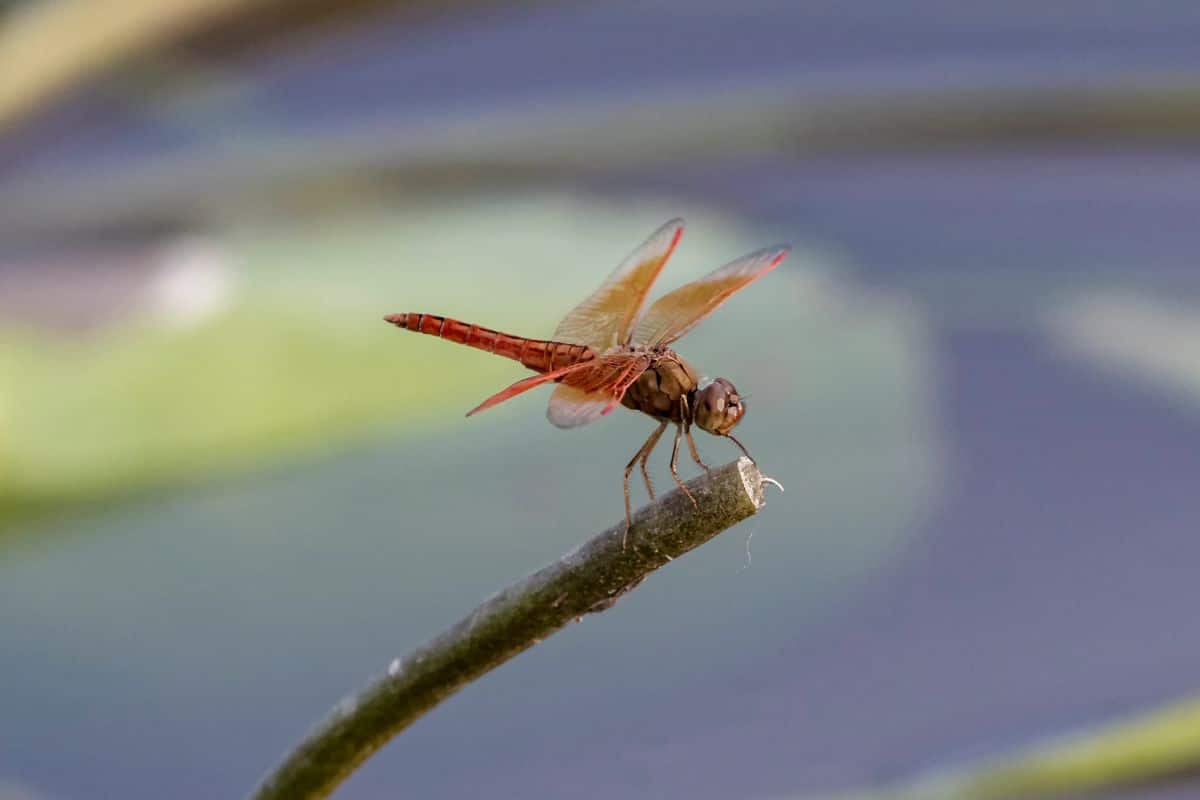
(587, 580)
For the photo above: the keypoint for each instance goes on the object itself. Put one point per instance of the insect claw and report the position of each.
(773, 482)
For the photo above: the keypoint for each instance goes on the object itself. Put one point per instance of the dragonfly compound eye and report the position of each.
(718, 407)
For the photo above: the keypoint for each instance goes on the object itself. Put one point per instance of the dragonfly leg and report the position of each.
(695, 453)
(646, 457)
(642, 454)
(687, 431)
(674, 458)
(742, 447)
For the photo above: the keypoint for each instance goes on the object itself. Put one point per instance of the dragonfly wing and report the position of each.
(529, 383)
(676, 313)
(586, 397)
(608, 374)
(606, 318)
(571, 407)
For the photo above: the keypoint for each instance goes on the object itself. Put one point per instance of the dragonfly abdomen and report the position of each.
(540, 355)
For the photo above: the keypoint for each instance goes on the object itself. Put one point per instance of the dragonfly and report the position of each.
(608, 352)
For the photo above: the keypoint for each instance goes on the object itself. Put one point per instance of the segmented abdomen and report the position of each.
(540, 355)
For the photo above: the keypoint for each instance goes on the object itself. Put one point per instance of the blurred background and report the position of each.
(229, 493)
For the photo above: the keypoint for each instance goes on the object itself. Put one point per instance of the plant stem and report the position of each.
(588, 580)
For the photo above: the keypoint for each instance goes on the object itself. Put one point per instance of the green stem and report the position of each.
(587, 580)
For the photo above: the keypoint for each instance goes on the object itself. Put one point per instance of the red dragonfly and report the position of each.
(607, 352)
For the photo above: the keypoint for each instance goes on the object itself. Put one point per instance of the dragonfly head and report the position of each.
(716, 406)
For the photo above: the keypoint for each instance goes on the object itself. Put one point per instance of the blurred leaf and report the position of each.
(1143, 749)
(302, 361)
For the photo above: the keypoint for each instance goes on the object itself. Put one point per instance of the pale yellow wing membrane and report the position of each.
(607, 317)
(531, 382)
(588, 395)
(676, 313)
(571, 407)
